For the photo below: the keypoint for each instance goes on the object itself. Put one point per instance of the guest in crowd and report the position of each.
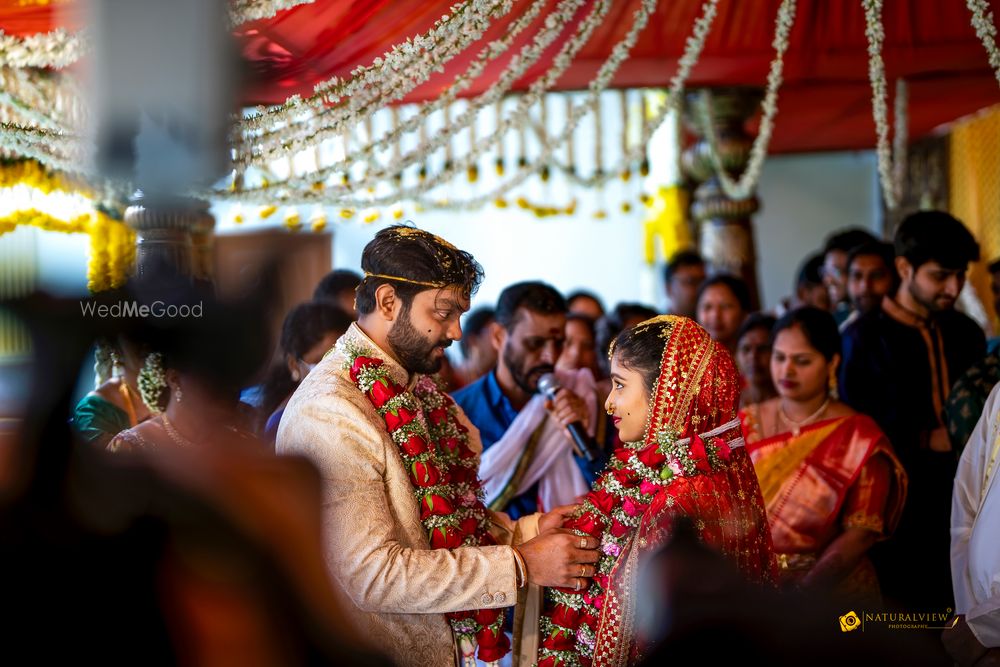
(682, 276)
(899, 364)
(529, 461)
(213, 558)
(974, 636)
(193, 376)
(753, 358)
(621, 317)
(871, 276)
(994, 269)
(339, 287)
(114, 405)
(835, 251)
(723, 304)
(810, 290)
(968, 395)
(831, 482)
(309, 331)
(580, 349)
(478, 355)
(586, 303)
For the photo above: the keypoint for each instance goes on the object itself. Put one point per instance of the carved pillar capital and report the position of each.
(174, 234)
(726, 230)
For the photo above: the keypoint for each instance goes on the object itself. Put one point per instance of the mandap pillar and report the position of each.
(725, 227)
(175, 235)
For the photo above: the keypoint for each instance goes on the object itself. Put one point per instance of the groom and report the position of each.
(408, 541)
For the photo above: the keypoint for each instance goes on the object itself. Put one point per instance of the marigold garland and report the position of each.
(112, 242)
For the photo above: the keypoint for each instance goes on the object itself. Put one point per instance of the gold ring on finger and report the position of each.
(583, 542)
(583, 570)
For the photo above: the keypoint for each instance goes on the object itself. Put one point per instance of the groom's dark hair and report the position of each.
(412, 260)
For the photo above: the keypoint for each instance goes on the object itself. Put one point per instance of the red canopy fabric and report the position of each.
(824, 104)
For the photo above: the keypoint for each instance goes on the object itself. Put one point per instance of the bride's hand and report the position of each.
(555, 518)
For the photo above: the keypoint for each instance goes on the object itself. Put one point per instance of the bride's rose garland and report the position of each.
(434, 446)
(611, 513)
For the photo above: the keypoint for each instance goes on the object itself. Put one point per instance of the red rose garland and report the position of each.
(433, 444)
(611, 513)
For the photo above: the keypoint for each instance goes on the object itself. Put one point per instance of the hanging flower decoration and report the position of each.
(112, 242)
(982, 21)
(57, 49)
(244, 11)
(747, 183)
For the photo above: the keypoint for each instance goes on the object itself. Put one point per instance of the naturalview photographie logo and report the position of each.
(127, 309)
(895, 620)
(849, 622)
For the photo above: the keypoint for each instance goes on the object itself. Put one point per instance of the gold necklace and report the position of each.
(797, 425)
(172, 432)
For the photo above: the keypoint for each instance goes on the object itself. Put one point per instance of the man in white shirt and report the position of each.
(974, 637)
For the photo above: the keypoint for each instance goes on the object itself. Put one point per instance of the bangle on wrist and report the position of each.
(521, 568)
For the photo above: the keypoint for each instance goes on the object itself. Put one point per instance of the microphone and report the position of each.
(548, 385)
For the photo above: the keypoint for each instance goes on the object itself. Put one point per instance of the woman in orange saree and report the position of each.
(832, 484)
(673, 400)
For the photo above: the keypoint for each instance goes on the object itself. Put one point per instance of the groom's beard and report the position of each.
(412, 350)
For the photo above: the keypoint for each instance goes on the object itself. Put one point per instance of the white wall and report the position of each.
(804, 198)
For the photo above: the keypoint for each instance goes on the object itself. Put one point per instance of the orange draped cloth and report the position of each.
(836, 474)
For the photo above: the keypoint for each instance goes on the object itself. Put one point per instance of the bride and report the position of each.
(674, 398)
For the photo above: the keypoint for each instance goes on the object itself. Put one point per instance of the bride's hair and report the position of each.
(640, 348)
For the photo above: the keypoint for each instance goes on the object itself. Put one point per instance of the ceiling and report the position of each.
(824, 103)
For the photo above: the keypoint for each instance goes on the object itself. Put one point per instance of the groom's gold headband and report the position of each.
(440, 285)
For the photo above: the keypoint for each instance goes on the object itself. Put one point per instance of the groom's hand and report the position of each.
(560, 559)
(556, 517)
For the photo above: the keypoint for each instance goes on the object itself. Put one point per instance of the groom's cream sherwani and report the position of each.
(395, 588)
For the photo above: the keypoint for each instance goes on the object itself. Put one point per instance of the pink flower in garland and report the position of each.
(647, 487)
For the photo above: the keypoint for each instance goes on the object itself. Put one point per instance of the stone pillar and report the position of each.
(172, 235)
(725, 228)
